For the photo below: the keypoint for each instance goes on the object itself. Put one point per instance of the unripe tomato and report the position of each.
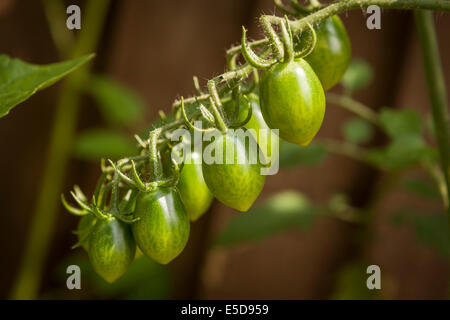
(332, 53)
(193, 190)
(111, 248)
(264, 138)
(85, 225)
(292, 100)
(236, 184)
(162, 230)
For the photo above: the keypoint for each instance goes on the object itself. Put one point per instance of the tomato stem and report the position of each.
(311, 45)
(436, 91)
(216, 104)
(266, 23)
(353, 106)
(156, 171)
(288, 42)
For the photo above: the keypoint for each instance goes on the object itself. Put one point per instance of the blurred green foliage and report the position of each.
(358, 76)
(284, 210)
(400, 153)
(400, 123)
(407, 147)
(292, 155)
(421, 187)
(358, 131)
(430, 229)
(118, 105)
(96, 143)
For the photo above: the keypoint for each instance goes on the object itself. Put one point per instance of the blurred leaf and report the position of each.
(351, 283)
(118, 104)
(293, 155)
(402, 152)
(431, 229)
(94, 144)
(20, 80)
(407, 147)
(422, 188)
(358, 76)
(358, 131)
(282, 211)
(398, 123)
(145, 279)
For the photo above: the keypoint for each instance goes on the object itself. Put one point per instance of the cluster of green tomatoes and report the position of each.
(155, 216)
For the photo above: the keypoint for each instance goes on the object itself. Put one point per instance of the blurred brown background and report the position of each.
(155, 47)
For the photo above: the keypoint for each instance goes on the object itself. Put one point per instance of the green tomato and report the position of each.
(85, 226)
(292, 100)
(111, 248)
(265, 140)
(193, 190)
(236, 184)
(332, 53)
(162, 230)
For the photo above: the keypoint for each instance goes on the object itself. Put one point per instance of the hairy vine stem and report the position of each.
(347, 5)
(298, 26)
(353, 106)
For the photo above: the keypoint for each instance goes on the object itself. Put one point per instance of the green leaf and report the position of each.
(94, 144)
(20, 80)
(422, 188)
(282, 211)
(118, 104)
(431, 229)
(292, 155)
(358, 76)
(407, 146)
(358, 131)
(402, 152)
(397, 123)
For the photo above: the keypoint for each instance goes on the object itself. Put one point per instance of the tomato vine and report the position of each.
(141, 181)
